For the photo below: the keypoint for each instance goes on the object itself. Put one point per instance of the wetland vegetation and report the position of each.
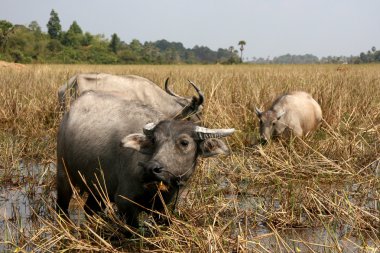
(316, 194)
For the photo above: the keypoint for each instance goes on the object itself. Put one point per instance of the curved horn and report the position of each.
(201, 97)
(258, 112)
(193, 107)
(206, 133)
(172, 93)
(169, 91)
(148, 128)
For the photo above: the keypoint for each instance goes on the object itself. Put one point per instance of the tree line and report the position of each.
(371, 56)
(29, 44)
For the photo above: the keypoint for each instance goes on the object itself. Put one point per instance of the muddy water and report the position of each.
(31, 197)
(259, 237)
(22, 201)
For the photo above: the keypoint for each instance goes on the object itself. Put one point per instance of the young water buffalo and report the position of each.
(102, 133)
(296, 111)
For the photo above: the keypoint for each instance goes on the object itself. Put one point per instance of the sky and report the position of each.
(269, 27)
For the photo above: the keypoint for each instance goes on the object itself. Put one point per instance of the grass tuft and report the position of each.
(316, 194)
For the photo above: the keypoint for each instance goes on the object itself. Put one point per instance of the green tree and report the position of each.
(31, 44)
(73, 37)
(115, 42)
(6, 28)
(363, 57)
(54, 46)
(150, 53)
(17, 56)
(54, 25)
(136, 46)
(172, 56)
(87, 39)
(233, 56)
(75, 28)
(376, 56)
(35, 27)
(241, 43)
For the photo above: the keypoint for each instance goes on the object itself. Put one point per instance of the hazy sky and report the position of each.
(270, 27)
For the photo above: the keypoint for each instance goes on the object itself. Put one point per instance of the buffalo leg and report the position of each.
(64, 191)
(130, 214)
(161, 219)
(92, 205)
(128, 211)
(159, 206)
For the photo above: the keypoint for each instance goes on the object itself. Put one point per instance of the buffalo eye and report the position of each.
(184, 143)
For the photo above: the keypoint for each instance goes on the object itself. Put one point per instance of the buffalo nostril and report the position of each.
(157, 170)
(263, 140)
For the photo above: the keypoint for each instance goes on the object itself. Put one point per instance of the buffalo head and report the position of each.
(172, 148)
(270, 123)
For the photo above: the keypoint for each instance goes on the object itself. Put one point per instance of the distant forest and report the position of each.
(29, 44)
(372, 55)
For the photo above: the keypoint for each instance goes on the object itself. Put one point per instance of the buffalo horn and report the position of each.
(169, 91)
(206, 133)
(148, 128)
(200, 93)
(258, 112)
(172, 93)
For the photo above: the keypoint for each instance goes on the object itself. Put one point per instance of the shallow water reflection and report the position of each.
(21, 206)
(22, 201)
(260, 236)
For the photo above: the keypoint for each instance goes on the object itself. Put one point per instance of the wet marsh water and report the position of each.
(22, 207)
(23, 201)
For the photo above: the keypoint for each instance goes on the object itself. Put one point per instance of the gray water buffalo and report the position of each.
(295, 112)
(130, 151)
(131, 88)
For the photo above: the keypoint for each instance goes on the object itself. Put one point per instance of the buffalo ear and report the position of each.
(280, 114)
(137, 142)
(211, 147)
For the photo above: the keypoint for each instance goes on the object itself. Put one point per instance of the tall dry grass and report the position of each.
(320, 193)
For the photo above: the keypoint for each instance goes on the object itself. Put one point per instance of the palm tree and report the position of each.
(241, 43)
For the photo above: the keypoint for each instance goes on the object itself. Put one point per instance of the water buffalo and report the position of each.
(296, 111)
(129, 149)
(131, 88)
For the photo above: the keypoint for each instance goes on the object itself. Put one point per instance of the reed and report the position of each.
(316, 194)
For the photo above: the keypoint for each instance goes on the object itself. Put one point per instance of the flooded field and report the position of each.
(22, 207)
(316, 194)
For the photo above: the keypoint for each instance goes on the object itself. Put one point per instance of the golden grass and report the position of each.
(320, 193)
